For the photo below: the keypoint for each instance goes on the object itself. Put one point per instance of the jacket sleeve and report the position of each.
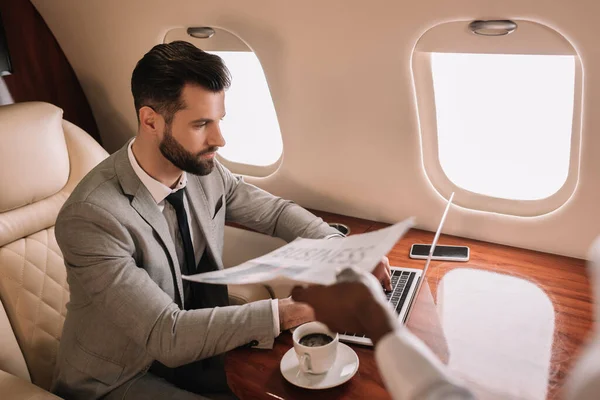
(98, 252)
(257, 209)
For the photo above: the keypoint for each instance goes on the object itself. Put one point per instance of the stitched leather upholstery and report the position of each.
(33, 285)
(42, 158)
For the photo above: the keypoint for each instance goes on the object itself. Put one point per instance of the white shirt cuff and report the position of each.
(275, 309)
(409, 368)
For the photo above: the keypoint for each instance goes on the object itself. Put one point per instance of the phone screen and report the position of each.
(440, 251)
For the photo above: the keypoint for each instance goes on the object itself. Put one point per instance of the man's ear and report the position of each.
(149, 120)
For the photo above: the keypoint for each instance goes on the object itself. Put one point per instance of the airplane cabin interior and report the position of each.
(364, 113)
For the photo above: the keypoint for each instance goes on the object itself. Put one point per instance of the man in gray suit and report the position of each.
(148, 213)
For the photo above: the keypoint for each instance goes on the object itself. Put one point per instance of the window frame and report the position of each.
(426, 111)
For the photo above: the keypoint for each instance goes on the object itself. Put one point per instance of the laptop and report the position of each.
(406, 283)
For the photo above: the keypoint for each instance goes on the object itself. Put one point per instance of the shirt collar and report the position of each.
(158, 190)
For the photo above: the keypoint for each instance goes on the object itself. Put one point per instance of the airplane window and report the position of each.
(500, 117)
(504, 122)
(250, 127)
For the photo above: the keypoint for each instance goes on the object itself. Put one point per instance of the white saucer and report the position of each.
(344, 368)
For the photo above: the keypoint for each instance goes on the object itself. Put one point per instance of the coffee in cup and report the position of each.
(316, 347)
(315, 340)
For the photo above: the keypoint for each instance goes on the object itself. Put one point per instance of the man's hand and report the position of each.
(350, 306)
(382, 273)
(292, 314)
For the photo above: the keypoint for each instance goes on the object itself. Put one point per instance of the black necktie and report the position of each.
(176, 200)
(196, 295)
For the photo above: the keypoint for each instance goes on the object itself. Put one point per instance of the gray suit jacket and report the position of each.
(123, 275)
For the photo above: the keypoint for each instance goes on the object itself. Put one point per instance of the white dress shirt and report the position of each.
(411, 371)
(159, 193)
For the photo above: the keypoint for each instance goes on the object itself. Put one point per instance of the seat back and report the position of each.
(42, 158)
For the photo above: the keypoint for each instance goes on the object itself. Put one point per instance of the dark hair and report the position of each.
(160, 75)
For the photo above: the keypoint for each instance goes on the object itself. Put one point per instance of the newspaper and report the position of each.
(311, 261)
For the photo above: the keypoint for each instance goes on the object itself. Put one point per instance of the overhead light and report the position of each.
(202, 32)
(492, 27)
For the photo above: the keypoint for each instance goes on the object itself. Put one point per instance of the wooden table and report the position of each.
(509, 323)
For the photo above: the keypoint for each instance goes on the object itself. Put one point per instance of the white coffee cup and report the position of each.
(317, 359)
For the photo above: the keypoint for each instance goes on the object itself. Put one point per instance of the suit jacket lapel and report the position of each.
(199, 205)
(145, 205)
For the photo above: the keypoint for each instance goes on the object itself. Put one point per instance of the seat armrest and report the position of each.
(242, 294)
(11, 357)
(282, 290)
(15, 388)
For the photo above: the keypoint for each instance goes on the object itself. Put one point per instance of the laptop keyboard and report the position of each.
(401, 283)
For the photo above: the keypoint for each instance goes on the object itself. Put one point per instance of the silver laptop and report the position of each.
(406, 283)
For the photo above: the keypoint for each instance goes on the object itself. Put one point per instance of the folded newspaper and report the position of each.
(312, 261)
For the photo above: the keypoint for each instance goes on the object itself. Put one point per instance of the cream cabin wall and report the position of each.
(341, 81)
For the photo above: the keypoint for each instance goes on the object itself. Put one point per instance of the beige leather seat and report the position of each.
(42, 158)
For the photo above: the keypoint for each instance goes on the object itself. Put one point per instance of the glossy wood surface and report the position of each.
(509, 323)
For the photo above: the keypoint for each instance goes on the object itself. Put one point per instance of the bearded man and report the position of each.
(150, 212)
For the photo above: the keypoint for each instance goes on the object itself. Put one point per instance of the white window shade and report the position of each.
(250, 127)
(504, 122)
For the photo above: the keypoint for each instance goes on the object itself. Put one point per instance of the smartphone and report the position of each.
(441, 252)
